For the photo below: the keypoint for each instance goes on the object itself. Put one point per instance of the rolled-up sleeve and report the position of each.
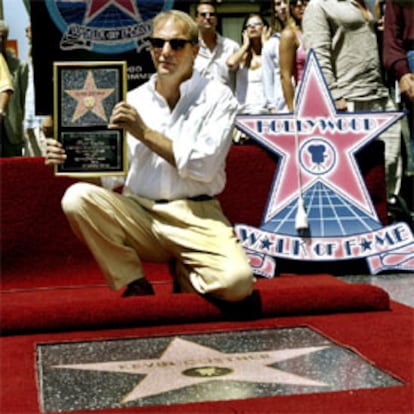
(206, 135)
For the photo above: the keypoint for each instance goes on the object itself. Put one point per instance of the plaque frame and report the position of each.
(84, 96)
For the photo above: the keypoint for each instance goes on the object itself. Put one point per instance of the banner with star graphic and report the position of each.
(319, 184)
(92, 30)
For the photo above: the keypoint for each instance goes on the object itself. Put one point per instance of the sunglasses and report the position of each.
(176, 44)
(207, 14)
(253, 25)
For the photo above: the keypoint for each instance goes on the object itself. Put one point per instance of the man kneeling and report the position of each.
(179, 128)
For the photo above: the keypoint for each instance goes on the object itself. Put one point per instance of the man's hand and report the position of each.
(47, 126)
(407, 86)
(125, 116)
(55, 154)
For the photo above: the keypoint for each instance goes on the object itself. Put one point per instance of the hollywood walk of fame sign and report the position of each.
(105, 26)
(317, 170)
(85, 94)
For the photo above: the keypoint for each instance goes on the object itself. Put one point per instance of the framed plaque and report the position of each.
(84, 96)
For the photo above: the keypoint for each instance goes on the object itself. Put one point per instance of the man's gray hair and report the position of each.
(180, 16)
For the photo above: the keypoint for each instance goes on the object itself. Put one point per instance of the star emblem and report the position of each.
(316, 144)
(184, 363)
(90, 98)
(319, 208)
(95, 7)
(266, 243)
(366, 244)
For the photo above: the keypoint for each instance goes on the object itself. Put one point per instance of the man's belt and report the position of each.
(201, 197)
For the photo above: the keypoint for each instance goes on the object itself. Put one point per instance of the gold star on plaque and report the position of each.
(90, 99)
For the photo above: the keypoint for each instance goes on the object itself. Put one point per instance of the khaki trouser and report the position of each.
(122, 230)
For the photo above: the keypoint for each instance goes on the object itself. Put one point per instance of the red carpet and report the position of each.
(39, 249)
(52, 291)
(95, 307)
(384, 338)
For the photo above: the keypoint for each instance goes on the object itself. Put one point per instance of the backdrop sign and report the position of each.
(319, 185)
(91, 30)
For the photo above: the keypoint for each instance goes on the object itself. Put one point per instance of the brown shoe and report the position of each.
(139, 287)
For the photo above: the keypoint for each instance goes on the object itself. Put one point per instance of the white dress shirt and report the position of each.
(200, 127)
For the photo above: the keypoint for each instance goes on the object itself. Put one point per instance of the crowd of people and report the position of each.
(22, 131)
(177, 162)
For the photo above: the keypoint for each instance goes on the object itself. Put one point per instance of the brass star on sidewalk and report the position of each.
(90, 98)
(185, 363)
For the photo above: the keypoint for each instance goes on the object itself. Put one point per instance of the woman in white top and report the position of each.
(247, 61)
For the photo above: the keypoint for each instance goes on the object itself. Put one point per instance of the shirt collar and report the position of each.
(189, 87)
